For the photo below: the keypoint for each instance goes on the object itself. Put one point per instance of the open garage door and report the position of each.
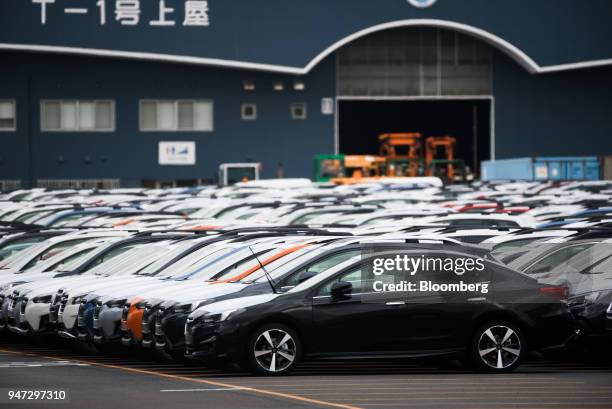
(360, 121)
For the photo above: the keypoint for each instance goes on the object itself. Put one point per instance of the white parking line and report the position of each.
(39, 364)
(415, 384)
(205, 390)
(475, 388)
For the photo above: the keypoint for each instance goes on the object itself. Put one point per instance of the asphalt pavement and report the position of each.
(135, 380)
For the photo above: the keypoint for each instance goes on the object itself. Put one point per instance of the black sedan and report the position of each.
(164, 322)
(489, 317)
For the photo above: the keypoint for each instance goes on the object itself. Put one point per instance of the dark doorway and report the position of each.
(361, 121)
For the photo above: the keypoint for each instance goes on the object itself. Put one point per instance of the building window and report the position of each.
(176, 115)
(77, 115)
(278, 86)
(298, 111)
(298, 85)
(249, 112)
(412, 61)
(7, 115)
(248, 85)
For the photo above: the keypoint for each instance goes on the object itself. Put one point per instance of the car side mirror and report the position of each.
(341, 290)
(305, 275)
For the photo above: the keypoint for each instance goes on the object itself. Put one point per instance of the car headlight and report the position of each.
(222, 316)
(42, 299)
(189, 307)
(77, 299)
(182, 308)
(7, 287)
(141, 305)
(116, 303)
(592, 297)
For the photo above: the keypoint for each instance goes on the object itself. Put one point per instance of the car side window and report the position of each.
(354, 277)
(363, 280)
(320, 266)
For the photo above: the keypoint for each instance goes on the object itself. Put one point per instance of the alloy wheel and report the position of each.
(499, 347)
(275, 350)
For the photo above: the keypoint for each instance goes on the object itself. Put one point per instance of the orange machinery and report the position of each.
(409, 158)
(358, 166)
(401, 154)
(432, 144)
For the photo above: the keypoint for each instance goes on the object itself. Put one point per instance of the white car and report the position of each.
(484, 220)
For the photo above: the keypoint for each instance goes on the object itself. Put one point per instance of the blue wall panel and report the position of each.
(293, 32)
(557, 114)
(132, 155)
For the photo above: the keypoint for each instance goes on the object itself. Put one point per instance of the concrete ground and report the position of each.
(134, 380)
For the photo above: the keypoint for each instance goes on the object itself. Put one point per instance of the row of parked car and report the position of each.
(266, 274)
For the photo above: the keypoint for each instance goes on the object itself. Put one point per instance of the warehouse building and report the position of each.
(153, 92)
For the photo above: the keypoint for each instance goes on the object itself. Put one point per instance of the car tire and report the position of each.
(273, 350)
(497, 347)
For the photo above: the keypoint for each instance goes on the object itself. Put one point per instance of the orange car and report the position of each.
(133, 312)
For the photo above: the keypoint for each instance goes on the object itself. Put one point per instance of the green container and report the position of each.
(327, 167)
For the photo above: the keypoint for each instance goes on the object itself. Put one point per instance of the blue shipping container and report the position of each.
(543, 168)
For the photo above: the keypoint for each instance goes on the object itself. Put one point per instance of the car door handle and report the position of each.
(395, 303)
(477, 299)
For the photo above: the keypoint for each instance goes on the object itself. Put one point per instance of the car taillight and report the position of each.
(559, 292)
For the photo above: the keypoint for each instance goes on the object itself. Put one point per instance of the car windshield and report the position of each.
(283, 265)
(105, 254)
(71, 262)
(246, 265)
(18, 258)
(472, 239)
(602, 269)
(50, 252)
(78, 221)
(153, 268)
(70, 218)
(384, 219)
(7, 215)
(19, 245)
(230, 213)
(310, 216)
(29, 216)
(482, 222)
(557, 258)
(592, 260)
(318, 267)
(513, 245)
(193, 261)
(136, 259)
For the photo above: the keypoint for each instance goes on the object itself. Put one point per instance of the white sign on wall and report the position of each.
(177, 153)
(327, 106)
(541, 172)
(422, 3)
